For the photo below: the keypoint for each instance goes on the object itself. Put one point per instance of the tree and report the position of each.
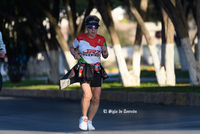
(60, 38)
(198, 29)
(177, 16)
(105, 11)
(182, 58)
(160, 71)
(38, 34)
(168, 52)
(52, 58)
(74, 28)
(137, 44)
(17, 42)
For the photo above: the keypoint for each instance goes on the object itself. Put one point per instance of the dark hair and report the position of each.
(91, 18)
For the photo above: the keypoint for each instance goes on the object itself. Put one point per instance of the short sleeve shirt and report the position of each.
(90, 48)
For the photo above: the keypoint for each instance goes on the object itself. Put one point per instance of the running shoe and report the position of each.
(90, 126)
(83, 121)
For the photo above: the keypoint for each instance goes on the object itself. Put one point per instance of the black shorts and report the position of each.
(96, 82)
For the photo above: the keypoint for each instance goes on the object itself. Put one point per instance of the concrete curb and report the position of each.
(165, 98)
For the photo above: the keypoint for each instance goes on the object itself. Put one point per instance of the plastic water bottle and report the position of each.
(80, 73)
(96, 67)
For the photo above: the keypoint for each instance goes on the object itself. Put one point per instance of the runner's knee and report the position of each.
(95, 100)
(87, 96)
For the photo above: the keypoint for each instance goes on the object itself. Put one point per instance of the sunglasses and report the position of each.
(92, 26)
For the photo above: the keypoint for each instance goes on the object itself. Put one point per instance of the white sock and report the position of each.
(84, 117)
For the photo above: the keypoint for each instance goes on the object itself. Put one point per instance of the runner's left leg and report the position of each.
(96, 91)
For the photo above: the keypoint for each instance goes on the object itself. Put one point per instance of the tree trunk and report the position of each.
(169, 50)
(194, 67)
(182, 58)
(160, 71)
(105, 11)
(72, 19)
(198, 29)
(137, 45)
(54, 76)
(180, 23)
(47, 58)
(81, 26)
(181, 53)
(60, 38)
(51, 63)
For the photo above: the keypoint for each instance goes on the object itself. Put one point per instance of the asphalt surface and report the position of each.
(60, 116)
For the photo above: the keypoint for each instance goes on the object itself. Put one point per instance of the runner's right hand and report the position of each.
(77, 56)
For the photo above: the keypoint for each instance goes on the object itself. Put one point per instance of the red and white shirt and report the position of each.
(90, 48)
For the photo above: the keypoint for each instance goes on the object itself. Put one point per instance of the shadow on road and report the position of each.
(39, 115)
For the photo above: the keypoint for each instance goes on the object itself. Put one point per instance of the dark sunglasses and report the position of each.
(92, 26)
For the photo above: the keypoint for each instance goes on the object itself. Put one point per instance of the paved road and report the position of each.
(60, 116)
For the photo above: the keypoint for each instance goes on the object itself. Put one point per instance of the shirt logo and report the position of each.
(99, 41)
(89, 51)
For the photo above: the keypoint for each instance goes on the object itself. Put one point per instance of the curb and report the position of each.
(165, 98)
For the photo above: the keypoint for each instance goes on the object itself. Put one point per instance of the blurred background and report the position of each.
(33, 31)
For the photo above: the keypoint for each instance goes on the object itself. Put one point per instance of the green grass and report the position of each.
(35, 84)
(107, 86)
(181, 89)
(113, 86)
(148, 74)
(178, 73)
(152, 87)
(182, 74)
(23, 83)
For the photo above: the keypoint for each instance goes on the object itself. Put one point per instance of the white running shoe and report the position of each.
(90, 126)
(83, 122)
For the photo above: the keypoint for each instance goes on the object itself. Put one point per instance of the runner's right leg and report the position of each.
(85, 103)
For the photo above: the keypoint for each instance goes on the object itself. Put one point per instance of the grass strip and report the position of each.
(106, 86)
